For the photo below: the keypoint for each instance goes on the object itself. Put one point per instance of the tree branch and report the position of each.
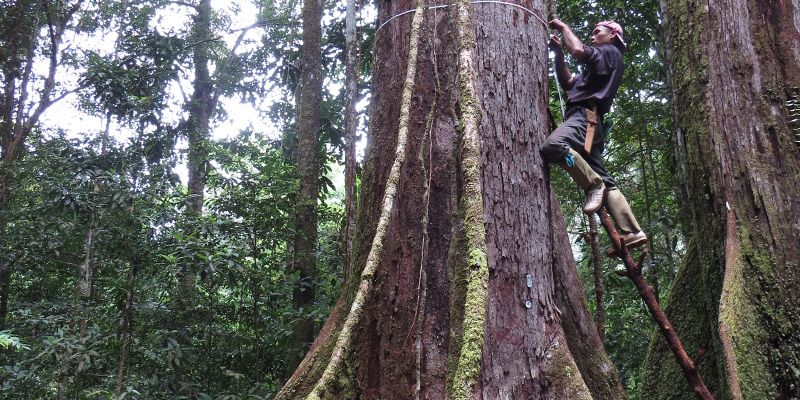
(183, 3)
(189, 46)
(634, 272)
(216, 92)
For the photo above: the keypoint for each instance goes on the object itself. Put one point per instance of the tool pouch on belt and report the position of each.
(591, 122)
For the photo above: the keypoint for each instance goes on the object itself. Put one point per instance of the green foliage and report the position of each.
(125, 190)
(242, 320)
(9, 341)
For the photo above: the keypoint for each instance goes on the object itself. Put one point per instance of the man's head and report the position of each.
(608, 32)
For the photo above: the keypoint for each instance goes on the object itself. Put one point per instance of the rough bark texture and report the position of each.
(417, 331)
(308, 126)
(734, 66)
(351, 134)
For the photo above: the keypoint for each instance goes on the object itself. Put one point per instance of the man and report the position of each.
(577, 144)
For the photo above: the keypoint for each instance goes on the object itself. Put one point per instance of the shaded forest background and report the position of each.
(117, 281)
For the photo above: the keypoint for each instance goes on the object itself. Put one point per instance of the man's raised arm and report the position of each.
(574, 45)
(563, 74)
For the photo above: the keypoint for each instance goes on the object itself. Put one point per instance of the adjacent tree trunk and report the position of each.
(735, 67)
(597, 273)
(463, 283)
(127, 325)
(350, 129)
(304, 261)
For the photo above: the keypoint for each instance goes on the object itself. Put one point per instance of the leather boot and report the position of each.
(628, 227)
(587, 179)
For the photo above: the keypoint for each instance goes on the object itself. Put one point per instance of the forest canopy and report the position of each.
(189, 192)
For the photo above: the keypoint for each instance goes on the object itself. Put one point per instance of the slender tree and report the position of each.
(304, 263)
(463, 283)
(207, 89)
(197, 127)
(735, 70)
(350, 127)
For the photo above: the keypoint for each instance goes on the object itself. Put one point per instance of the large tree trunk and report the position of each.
(735, 69)
(463, 283)
(304, 261)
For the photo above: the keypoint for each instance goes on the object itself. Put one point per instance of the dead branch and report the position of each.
(634, 272)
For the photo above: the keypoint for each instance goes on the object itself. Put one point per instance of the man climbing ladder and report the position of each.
(577, 144)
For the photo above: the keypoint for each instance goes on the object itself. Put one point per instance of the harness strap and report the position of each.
(591, 122)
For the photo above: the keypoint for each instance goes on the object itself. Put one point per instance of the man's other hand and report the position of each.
(555, 43)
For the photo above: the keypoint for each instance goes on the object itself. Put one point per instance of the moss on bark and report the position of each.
(473, 325)
(563, 374)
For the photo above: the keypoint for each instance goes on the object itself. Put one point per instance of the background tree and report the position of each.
(309, 112)
(736, 72)
(26, 93)
(352, 62)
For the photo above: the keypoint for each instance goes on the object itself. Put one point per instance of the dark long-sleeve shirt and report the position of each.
(600, 79)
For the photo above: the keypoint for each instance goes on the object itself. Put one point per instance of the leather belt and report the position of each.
(591, 122)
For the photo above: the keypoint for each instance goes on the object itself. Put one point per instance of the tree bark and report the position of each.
(446, 244)
(199, 109)
(304, 263)
(735, 66)
(351, 134)
(86, 273)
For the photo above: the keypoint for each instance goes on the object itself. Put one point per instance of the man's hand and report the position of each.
(573, 45)
(558, 25)
(555, 44)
